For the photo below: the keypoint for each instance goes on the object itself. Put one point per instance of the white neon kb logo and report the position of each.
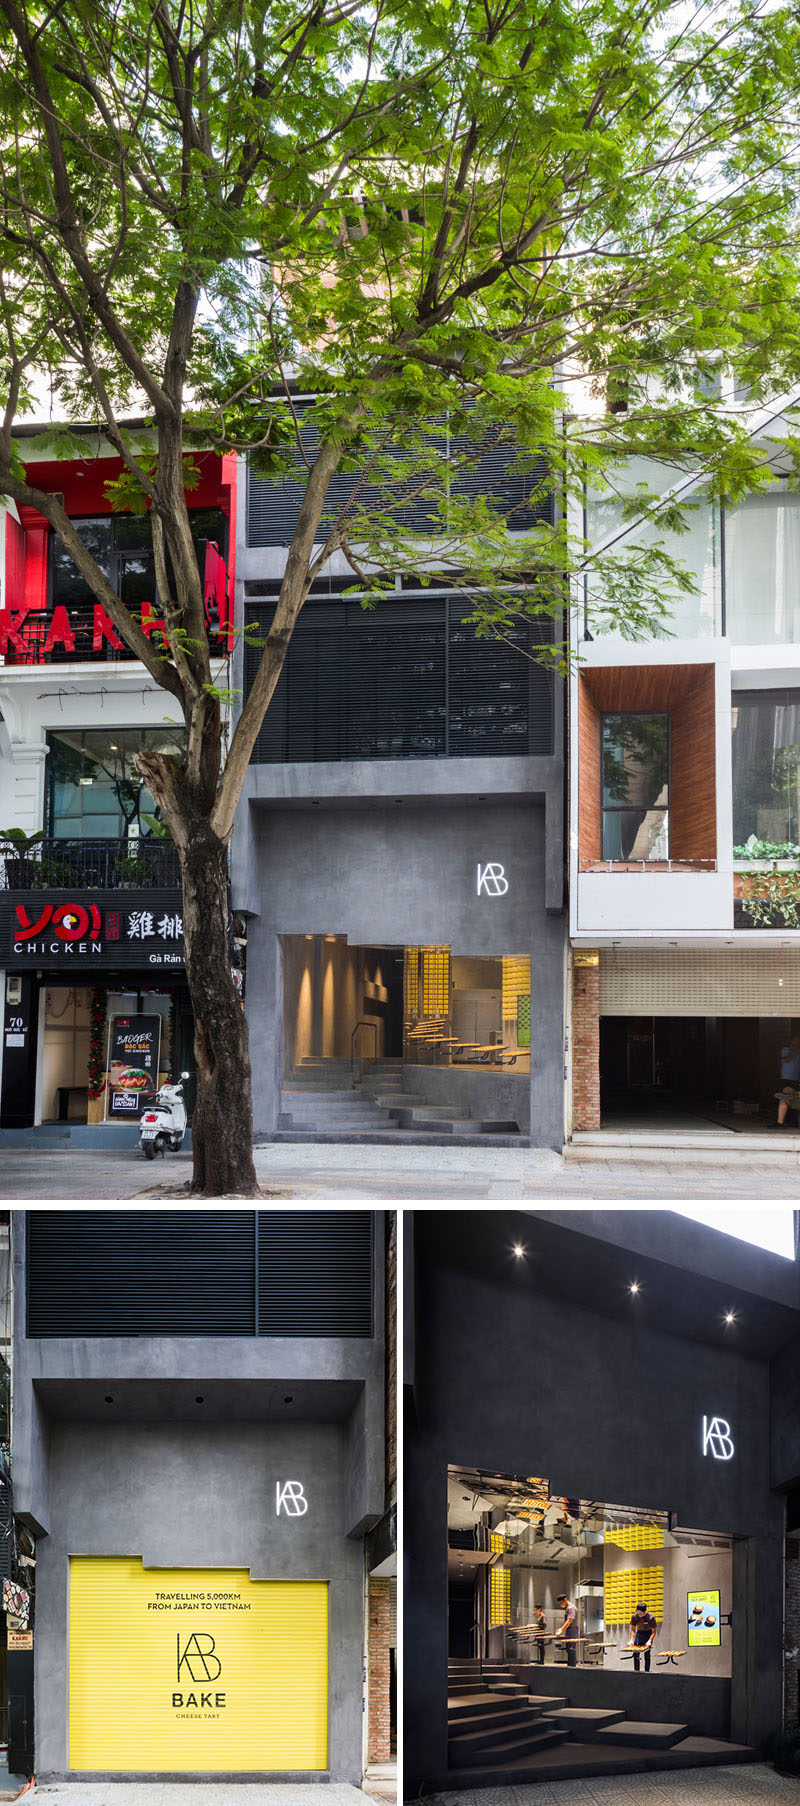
(290, 1498)
(717, 1438)
(492, 880)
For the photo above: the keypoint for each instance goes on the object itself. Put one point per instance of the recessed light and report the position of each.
(519, 1251)
(730, 1316)
(634, 1287)
(109, 1399)
(289, 1399)
(200, 1399)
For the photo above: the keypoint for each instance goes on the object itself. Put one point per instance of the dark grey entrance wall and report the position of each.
(184, 1496)
(395, 874)
(516, 1382)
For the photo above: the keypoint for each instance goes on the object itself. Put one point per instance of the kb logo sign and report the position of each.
(717, 1438)
(492, 880)
(198, 1658)
(290, 1498)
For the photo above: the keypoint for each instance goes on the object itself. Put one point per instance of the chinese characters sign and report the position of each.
(132, 1065)
(92, 929)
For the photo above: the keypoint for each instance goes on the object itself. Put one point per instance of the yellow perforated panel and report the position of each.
(623, 1590)
(195, 1669)
(636, 1536)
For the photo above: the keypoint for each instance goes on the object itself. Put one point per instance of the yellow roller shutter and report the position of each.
(195, 1669)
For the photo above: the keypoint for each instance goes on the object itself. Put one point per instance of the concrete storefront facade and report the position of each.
(590, 1349)
(200, 1503)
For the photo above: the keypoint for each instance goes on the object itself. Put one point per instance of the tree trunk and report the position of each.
(222, 1124)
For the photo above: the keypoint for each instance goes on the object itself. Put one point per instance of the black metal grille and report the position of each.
(200, 1273)
(407, 679)
(55, 864)
(315, 1273)
(489, 469)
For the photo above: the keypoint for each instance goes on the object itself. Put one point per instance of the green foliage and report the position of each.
(754, 848)
(771, 899)
(455, 228)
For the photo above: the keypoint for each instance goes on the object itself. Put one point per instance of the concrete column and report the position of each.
(547, 1034)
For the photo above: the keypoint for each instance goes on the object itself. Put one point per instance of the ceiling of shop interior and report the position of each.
(688, 1276)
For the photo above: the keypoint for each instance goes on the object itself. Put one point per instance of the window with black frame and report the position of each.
(635, 751)
(122, 546)
(94, 791)
(766, 773)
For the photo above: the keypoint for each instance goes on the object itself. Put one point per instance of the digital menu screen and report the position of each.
(703, 1616)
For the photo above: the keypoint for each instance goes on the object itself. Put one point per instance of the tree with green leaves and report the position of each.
(417, 214)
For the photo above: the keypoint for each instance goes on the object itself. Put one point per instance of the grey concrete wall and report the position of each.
(514, 1382)
(378, 783)
(403, 876)
(242, 1376)
(186, 1497)
(685, 1570)
(786, 1416)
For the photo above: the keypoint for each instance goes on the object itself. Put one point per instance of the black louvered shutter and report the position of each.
(523, 494)
(405, 679)
(315, 1272)
(501, 699)
(141, 1272)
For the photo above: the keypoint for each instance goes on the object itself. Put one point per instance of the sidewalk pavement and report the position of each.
(375, 1174)
(747, 1785)
(193, 1793)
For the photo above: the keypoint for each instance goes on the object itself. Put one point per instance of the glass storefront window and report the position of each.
(766, 773)
(517, 1548)
(762, 569)
(93, 789)
(635, 786)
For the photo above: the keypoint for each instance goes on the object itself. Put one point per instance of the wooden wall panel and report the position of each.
(693, 772)
(590, 794)
(684, 692)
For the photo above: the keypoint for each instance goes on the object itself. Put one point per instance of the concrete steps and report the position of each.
(321, 1103)
(584, 1722)
(637, 1734)
(494, 1727)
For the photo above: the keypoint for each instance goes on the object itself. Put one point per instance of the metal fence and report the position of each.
(54, 864)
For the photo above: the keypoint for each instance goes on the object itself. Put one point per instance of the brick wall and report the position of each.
(586, 1047)
(379, 1742)
(391, 1357)
(791, 1713)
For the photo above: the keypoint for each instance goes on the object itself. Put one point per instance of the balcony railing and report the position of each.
(90, 865)
(648, 865)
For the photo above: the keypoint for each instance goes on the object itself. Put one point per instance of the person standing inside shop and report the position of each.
(789, 1095)
(569, 1629)
(643, 1630)
(541, 1633)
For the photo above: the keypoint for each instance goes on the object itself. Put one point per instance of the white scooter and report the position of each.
(164, 1121)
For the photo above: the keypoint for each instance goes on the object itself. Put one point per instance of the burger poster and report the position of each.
(132, 1066)
(703, 1611)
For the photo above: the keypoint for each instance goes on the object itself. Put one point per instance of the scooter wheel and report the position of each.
(149, 1150)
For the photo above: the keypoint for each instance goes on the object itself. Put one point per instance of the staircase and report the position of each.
(501, 1732)
(324, 1100)
(490, 1719)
